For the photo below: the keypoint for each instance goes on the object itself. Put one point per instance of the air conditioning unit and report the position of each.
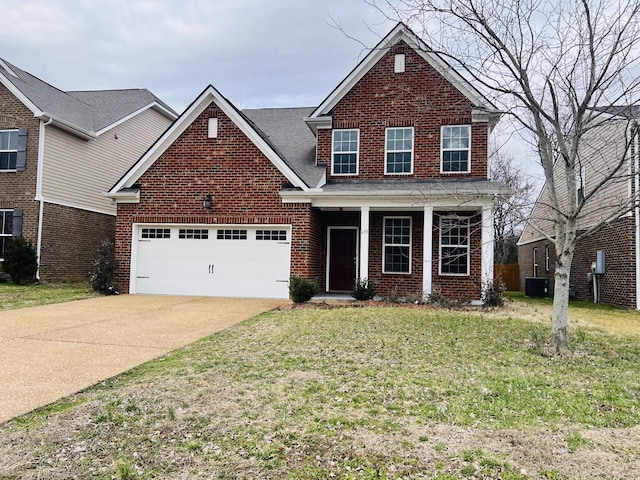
(536, 287)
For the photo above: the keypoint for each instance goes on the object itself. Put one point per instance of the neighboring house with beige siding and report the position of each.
(608, 183)
(59, 153)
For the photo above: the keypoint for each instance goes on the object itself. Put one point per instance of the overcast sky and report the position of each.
(258, 53)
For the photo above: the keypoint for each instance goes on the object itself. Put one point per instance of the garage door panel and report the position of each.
(214, 266)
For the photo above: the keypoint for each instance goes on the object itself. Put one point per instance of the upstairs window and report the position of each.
(6, 229)
(399, 151)
(8, 149)
(456, 149)
(344, 155)
(454, 246)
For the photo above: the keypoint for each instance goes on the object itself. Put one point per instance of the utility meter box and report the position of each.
(600, 264)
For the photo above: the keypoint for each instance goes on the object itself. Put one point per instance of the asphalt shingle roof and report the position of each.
(289, 135)
(88, 111)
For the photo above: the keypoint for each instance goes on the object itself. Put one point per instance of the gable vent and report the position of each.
(213, 128)
(399, 63)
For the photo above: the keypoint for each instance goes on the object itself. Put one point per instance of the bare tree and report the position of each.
(550, 65)
(510, 213)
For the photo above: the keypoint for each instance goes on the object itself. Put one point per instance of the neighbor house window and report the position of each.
(399, 150)
(546, 258)
(456, 148)
(454, 246)
(396, 249)
(6, 229)
(345, 152)
(535, 262)
(8, 149)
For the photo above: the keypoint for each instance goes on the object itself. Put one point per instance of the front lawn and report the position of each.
(351, 393)
(20, 296)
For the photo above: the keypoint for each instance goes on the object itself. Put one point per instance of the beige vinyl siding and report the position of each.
(78, 172)
(601, 150)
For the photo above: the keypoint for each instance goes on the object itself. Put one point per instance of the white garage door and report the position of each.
(224, 261)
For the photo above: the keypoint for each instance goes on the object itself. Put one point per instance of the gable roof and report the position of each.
(269, 141)
(85, 113)
(403, 33)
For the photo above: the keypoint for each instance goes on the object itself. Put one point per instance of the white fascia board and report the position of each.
(317, 123)
(21, 96)
(210, 94)
(154, 105)
(380, 200)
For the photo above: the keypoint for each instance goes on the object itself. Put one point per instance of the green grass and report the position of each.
(350, 393)
(20, 296)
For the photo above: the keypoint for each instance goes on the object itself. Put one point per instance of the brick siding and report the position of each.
(18, 189)
(70, 239)
(420, 97)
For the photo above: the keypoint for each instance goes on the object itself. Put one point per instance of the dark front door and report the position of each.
(342, 258)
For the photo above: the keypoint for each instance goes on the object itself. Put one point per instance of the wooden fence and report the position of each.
(510, 274)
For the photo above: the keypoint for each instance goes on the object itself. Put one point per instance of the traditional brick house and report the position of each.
(59, 152)
(616, 140)
(387, 179)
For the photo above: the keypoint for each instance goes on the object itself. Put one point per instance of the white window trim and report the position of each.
(442, 150)
(546, 258)
(384, 244)
(467, 246)
(386, 151)
(9, 151)
(10, 235)
(357, 152)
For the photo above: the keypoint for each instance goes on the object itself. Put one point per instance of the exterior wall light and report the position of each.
(206, 203)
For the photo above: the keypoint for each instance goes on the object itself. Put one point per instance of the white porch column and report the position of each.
(427, 251)
(487, 243)
(364, 243)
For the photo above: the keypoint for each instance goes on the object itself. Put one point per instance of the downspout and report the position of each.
(39, 198)
(636, 179)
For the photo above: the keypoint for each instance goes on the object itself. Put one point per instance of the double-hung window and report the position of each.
(454, 246)
(8, 149)
(397, 245)
(6, 229)
(399, 151)
(344, 156)
(456, 149)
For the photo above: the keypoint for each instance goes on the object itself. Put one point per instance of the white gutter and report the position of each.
(636, 178)
(39, 198)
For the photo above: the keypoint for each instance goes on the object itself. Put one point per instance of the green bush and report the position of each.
(363, 290)
(104, 269)
(302, 290)
(20, 260)
(493, 293)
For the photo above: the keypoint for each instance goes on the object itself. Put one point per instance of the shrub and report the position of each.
(493, 293)
(302, 290)
(363, 290)
(104, 269)
(20, 260)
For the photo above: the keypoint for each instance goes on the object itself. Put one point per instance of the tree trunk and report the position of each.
(560, 317)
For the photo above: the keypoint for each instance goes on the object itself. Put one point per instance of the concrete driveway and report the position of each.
(52, 351)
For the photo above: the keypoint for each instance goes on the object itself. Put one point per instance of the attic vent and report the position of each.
(213, 128)
(399, 63)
